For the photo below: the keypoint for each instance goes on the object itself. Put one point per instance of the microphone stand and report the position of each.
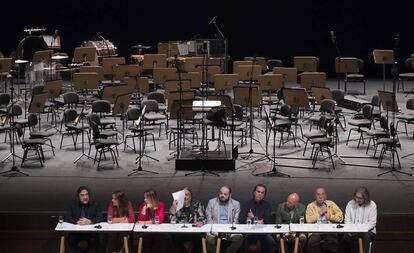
(394, 152)
(338, 53)
(225, 42)
(14, 171)
(233, 214)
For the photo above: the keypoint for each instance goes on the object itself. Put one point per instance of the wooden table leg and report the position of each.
(360, 245)
(218, 245)
(203, 244)
(126, 245)
(296, 246)
(62, 244)
(282, 245)
(140, 244)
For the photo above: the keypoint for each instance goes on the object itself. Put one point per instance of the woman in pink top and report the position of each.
(120, 209)
(152, 210)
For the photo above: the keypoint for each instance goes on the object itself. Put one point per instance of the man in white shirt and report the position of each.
(360, 210)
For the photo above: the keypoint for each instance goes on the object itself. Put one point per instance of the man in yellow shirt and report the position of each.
(323, 211)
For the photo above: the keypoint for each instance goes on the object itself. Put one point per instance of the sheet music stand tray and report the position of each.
(53, 88)
(272, 82)
(384, 57)
(305, 63)
(5, 65)
(111, 93)
(162, 74)
(245, 72)
(84, 54)
(289, 74)
(37, 104)
(321, 93)
(296, 97)
(154, 61)
(42, 56)
(241, 95)
(388, 101)
(223, 82)
(85, 81)
(312, 79)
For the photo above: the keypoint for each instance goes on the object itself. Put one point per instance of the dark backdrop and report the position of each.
(274, 29)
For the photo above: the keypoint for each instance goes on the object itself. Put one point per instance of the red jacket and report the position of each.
(114, 213)
(158, 212)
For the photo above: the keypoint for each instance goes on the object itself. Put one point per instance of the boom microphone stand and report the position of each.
(338, 53)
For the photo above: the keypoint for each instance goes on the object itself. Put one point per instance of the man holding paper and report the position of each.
(185, 209)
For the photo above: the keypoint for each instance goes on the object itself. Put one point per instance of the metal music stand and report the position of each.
(140, 170)
(312, 79)
(5, 67)
(247, 72)
(305, 63)
(111, 93)
(120, 108)
(37, 104)
(384, 57)
(154, 61)
(296, 98)
(85, 81)
(321, 93)
(161, 75)
(42, 56)
(271, 83)
(223, 82)
(289, 74)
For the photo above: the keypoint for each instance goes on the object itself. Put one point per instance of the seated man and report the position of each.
(84, 211)
(360, 210)
(288, 212)
(260, 210)
(192, 212)
(323, 211)
(224, 210)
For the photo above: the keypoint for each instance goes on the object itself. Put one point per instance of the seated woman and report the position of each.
(119, 211)
(192, 212)
(151, 212)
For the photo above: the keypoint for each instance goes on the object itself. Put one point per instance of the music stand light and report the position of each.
(154, 60)
(383, 57)
(312, 79)
(289, 74)
(84, 54)
(305, 63)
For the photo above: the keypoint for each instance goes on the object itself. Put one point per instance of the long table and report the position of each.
(102, 227)
(329, 228)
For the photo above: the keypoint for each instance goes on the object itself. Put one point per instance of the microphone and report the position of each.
(212, 20)
(333, 38)
(233, 214)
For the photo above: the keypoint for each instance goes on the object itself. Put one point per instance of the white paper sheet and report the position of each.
(179, 196)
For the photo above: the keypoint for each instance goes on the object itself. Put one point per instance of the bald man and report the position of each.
(322, 211)
(290, 212)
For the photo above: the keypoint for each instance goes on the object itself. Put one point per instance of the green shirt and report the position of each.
(286, 216)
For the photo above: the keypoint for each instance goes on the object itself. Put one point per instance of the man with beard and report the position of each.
(84, 211)
(224, 210)
(261, 210)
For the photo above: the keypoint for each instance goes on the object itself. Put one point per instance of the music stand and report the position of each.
(154, 60)
(190, 63)
(37, 104)
(346, 65)
(305, 63)
(42, 56)
(223, 82)
(247, 72)
(120, 108)
(312, 79)
(321, 93)
(384, 57)
(289, 74)
(140, 170)
(296, 97)
(84, 54)
(125, 70)
(53, 88)
(85, 81)
(237, 64)
(259, 61)
(5, 67)
(111, 93)
(93, 69)
(109, 64)
(195, 78)
(162, 74)
(388, 101)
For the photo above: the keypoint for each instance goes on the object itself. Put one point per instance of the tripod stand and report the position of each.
(139, 169)
(81, 117)
(14, 171)
(273, 172)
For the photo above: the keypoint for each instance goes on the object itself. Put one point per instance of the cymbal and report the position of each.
(140, 47)
(20, 61)
(59, 57)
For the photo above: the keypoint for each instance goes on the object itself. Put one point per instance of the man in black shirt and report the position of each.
(83, 211)
(259, 211)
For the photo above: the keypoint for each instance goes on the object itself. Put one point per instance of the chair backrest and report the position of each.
(226, 101)
(367, 111)
(158, 96)
(4, 99)
(384, 123)
(322, 122)
(133, 114)
(152, 105)
(32, 120)
(95, 130)
(338, 95)
(408, 64)
(93, 118)
(286, 110)
(14, 110)
(272, 63)
(37, 89)
(69, 115)
(101, 106)
(70, 98)
(375, 100)
(410, 104)
(327, 106)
